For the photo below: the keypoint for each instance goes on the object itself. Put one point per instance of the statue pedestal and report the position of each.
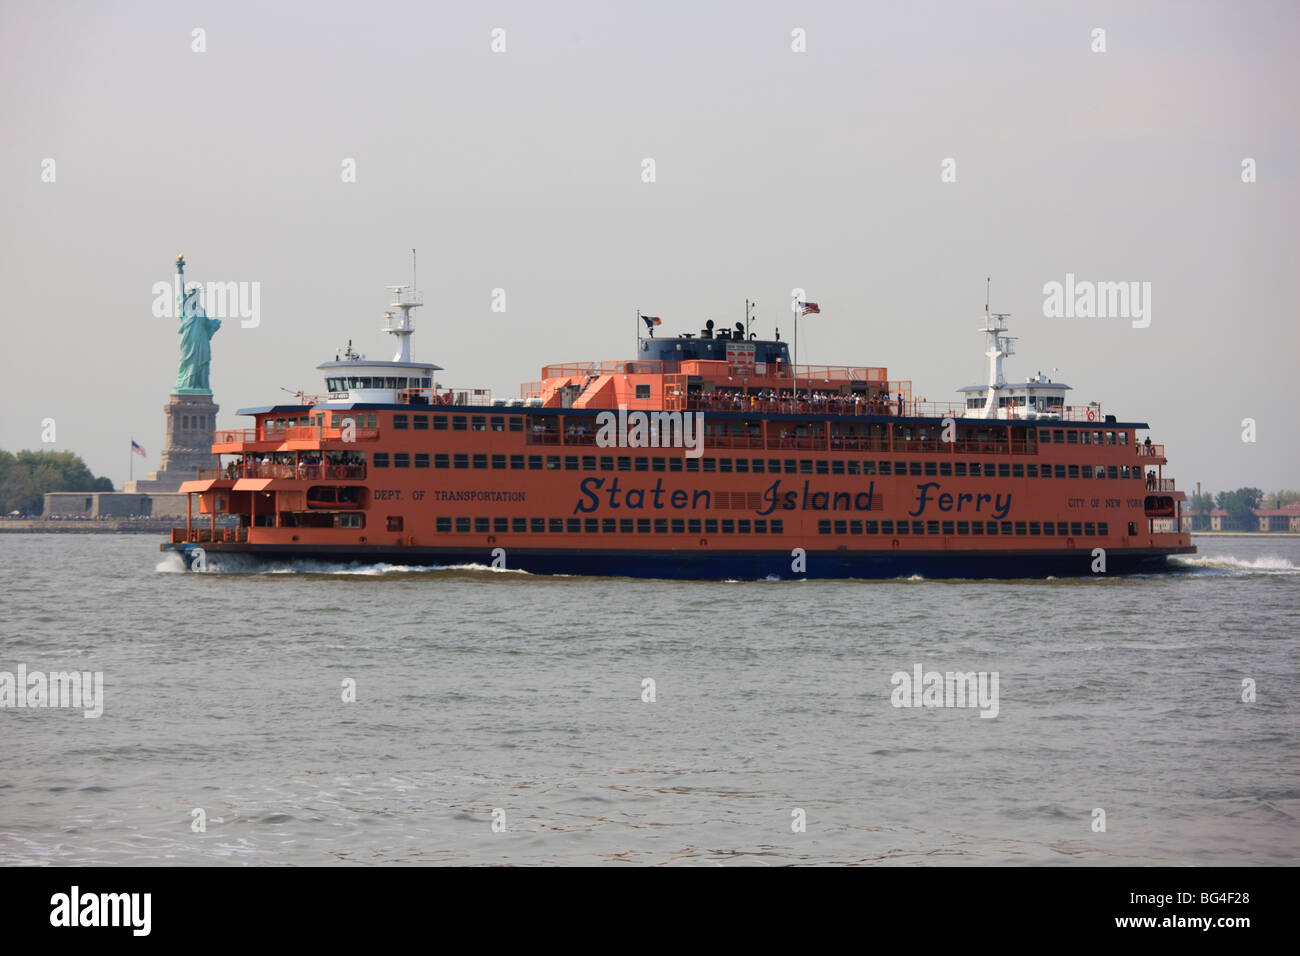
(191, 420)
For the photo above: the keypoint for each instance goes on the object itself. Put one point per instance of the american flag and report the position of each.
(137, 449)
(806, 307)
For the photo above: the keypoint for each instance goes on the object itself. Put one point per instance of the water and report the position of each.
(480, 691)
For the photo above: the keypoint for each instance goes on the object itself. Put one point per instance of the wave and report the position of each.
(1228, 564)
(248, 564)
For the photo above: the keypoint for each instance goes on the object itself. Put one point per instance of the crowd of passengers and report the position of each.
(337, 463)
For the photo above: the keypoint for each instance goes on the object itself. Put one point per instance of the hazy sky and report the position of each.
(775, 170)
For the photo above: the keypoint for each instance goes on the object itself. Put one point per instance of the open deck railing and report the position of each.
(199, 535)
(1151, 451)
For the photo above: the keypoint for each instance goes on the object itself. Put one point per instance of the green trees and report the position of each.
(1240, 504)
(28, 475)
(1201, 501)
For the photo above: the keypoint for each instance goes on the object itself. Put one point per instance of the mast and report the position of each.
(999, 346)
(406, 298)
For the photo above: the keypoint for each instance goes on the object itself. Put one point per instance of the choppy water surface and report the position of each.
(480, 691)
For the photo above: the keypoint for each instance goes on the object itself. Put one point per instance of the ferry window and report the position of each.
(837, 466)
(1034, 528)
(401, 459)
(1112, 472)
(914, 468)
(624, 463)
(1004, 470)
(401, 423)
(692, 464)
(462, 525)
(460, 461)
(458, 423)
(855, 527)
(854, 467)
(1076, 528)
(1072, 437)
(724, 465)
(932, 527)
(516, 424)
(625, 525)
(742, 466)
(1073, 470)
(608, 525)
(1087, 471)
(421, 459)
(498, 423)
(440, 423)
(760, 526)
(931, 467)
(774, 466)
(885, 468)
(1103, 529)
(1020, 527)
(480, 461)
(841, 527)
(570, 462)
(1085, 438)
(643, 391)
(958, 469)
(661, 525)
(823, 527)
(442, 524)
(991, 527)
(1059, 470)
(498, 461)
(977, 527)
(538, 525)
(674, 464)
(710, 525)
(657, 464)
(481, 525)
(573, 525)
(693, 526)
(552, 462)
(394, 522)
(822, 466)
(805, 466)
(1062, 529)
(947, 527)
(590, 525)
(1097, 438)
(441, 461)
(381, 459)
(519, 525)
(1031, 471)
(606, 463)
(534, 462)
(945, 468)
(1017, 471)
(1089, 529)
(1045, 435)
(778, 526)
(642, 525)
(556, 525)
(902, 528)
(976, 469)
(963, 527)
(791, 466)
(679, 526)
(1123, 437)
(588, 462)
(710, 464)
(421, 422)
(500, 524)
(641, 464)
(1058, 435)
(1100, 471)
(478, 423)
(871, 527)
(918, 527)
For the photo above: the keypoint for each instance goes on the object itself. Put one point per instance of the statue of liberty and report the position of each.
(196, 331)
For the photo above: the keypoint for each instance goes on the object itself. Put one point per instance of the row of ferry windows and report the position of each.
(758, 466)
(342, 384)
(404, 421)
(612, 525)
(1060, 529)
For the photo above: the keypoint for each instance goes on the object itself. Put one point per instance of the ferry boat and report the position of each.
(709, 455)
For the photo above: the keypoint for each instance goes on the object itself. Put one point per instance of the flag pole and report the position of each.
(131, 460)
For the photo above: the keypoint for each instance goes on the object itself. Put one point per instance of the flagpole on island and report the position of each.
(131, 462)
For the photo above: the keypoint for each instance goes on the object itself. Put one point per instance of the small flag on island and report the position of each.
(808, 307)
(137, 449)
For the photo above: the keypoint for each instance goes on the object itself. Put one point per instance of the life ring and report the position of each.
(1092, 416)
(444, 398)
